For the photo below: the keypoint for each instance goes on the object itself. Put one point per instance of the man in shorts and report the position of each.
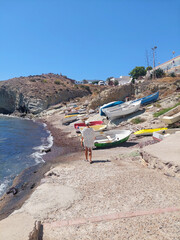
(87, 141)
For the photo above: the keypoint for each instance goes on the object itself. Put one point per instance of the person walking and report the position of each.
(87, 140)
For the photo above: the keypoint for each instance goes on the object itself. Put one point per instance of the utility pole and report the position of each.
(154, 48)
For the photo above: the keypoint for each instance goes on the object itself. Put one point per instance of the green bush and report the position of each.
(138, 120)
(95, 82)
(44, 81)
(57, 82)
(86, 88)
(137, 72)
(172, 74)
(32, 80)
(116, 83)
(158, 73)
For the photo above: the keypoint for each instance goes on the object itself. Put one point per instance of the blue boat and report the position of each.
(148, 99)
(110, 104)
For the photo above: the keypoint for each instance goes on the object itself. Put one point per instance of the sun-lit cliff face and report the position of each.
(33, 94)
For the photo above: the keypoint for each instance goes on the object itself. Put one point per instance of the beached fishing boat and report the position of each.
(69, 120)
(111, 138)
(122, 109)
(72, 115)
(171, 116)
(148, 99)
(110, 104)
(96, 128)
(145, 132)
(92, 123)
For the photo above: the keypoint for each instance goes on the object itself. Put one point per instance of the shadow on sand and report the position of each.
(101, 161)
(125, 118)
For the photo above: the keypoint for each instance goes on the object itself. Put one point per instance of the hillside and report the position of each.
(33, 94)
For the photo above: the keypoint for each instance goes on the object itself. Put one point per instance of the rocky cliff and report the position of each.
(166, 86)
(117, 93)
(34, 94)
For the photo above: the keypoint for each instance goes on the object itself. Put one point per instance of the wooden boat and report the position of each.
(110, 104)
(78, 125)
(145, 132)
(96, 128)
(112, 138)
(122, 109)
(148, 99)
(171, 116)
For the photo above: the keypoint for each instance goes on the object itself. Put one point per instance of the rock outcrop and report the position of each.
(166, 86)
(118, 93)
(34, 94)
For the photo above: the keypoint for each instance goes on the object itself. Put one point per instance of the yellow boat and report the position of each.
(144, 132)
(96, 128)
(72, 115)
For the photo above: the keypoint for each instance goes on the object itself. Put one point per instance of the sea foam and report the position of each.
(41, 150)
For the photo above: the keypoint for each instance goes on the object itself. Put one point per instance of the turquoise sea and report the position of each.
(21, 145)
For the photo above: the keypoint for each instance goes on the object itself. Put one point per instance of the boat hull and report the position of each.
(123, 110)
(148, 99)
(171, 116)
(67, 121)
(78, 125)
(111, 104)
(120, 137)
(149, 132)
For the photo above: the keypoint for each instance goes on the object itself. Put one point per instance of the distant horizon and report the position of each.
(81, 39)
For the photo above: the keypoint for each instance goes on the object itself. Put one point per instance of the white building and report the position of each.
(101, 83)
(170, 66)
(122, 80)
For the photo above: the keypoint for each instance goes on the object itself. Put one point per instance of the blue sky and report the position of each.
(85, 39)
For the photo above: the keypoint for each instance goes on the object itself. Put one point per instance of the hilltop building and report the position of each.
(170, 66)
(122, 80)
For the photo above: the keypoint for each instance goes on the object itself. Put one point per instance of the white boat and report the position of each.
(107, 105)
(171, 116)
(111, 138)
(67, 121)
(122, 110)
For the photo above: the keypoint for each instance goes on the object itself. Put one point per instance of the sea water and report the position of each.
(21, 145)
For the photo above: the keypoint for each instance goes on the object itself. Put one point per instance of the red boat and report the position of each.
(77, 125)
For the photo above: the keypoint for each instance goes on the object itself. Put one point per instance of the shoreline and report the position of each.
(29, 179)
(74, 197)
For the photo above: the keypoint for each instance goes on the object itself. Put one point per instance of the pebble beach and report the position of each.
(129, 192)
